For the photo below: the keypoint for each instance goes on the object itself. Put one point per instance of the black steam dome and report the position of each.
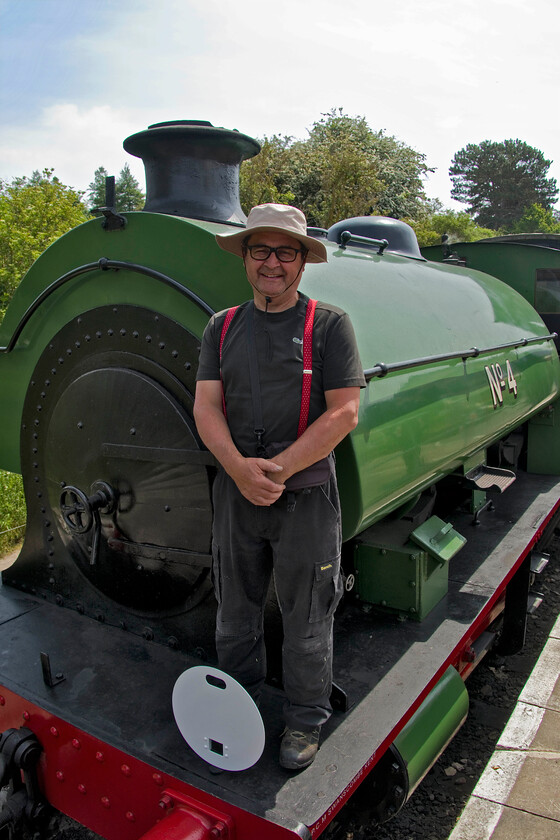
(400, 236)
(192, 168)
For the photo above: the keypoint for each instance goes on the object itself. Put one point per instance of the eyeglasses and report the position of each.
(284, 253)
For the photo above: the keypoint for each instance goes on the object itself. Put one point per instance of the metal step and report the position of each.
(486, 478)
(534, 601)
(539, 561)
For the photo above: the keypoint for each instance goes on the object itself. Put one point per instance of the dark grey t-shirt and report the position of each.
(279, 343)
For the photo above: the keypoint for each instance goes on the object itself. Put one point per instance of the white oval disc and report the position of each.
(218, 719)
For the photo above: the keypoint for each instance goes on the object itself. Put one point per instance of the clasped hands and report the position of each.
(259, 480)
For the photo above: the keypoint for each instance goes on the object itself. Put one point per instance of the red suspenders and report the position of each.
(307, 366)
(229, 317)
(307, 361)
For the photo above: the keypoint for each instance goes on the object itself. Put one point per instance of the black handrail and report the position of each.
(381, 369)
(103, 264)
(347, 236)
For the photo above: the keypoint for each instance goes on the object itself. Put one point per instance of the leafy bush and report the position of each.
(33, 213)
(458, 226)
(12, 510)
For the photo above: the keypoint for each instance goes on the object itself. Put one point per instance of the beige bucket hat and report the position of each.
(274, 218)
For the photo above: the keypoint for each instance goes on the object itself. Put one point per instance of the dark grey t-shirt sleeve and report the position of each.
(342, 367)
(209, 359)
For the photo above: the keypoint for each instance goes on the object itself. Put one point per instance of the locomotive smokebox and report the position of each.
(192, 169)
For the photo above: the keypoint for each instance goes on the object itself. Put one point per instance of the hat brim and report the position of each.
(233, 242)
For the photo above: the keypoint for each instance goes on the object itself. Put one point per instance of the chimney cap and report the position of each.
(236, 146)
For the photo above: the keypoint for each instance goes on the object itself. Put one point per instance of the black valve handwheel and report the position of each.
(79, 510)
(76, 510)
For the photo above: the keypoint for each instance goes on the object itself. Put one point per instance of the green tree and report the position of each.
(128, 195)
(33, 213)
(258, 176)
(335, 175)
(96, 190)
(344, 168)
(499, 181)
(536, 219)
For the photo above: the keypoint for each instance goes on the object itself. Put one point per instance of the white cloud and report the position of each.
(74, 141)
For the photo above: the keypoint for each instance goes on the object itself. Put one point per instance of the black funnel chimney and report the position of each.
(192, 169)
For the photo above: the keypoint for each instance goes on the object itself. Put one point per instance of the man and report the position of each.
(261, 526)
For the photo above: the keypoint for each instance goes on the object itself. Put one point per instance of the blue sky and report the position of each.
(78, 76)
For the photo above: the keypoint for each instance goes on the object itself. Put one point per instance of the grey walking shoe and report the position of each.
(298, 749)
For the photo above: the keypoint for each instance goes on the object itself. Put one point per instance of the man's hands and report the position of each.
(258, 480)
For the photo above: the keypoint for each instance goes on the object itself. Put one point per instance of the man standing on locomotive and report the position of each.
(276, 506)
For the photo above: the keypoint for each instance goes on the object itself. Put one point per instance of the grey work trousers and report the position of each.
(301, 548)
